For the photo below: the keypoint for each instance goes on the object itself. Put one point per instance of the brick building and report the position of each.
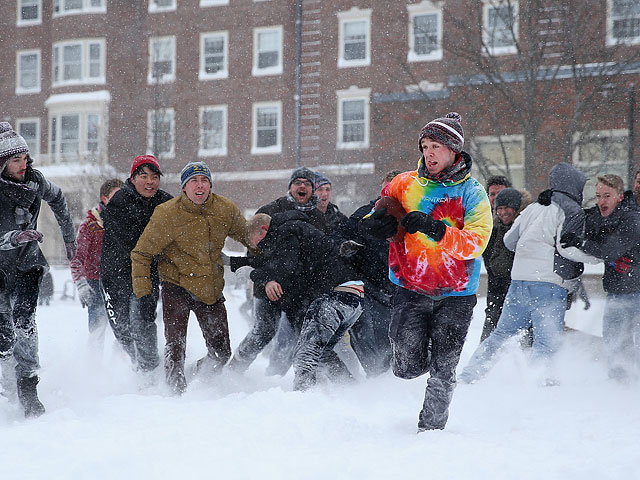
(258, 87)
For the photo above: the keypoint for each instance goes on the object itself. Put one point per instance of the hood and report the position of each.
(565, 179)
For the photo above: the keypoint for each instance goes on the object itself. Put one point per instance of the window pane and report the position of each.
(212, 130)
(72, 62)
(28, 71)
(213, 54)
(93, 133)
(95, 65)
(96, 3)
(162, 132)
(69, 133)
(164, 3)
(29, 131)
(54, 136)
(355, 45)
(267, 127)
(72, 5)
(500, 26)
(353, 121)
(29, 10)
(425, 32)
(268, 49)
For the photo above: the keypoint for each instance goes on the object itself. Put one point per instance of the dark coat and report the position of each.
(125, 217)
(334, 219)
(498, 259)
(284, 204)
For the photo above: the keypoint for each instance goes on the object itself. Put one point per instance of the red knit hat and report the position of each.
(144, 160)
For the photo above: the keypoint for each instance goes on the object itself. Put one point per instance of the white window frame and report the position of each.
(353, 93)
(271, 70)
(213, 3)
(416, 10)
(171, 76)
(56, 141)
(272, 149)
(611, 40)
(224, 71)
(34, 150)
(153, 8)
(85, 62)
(25, 23)
(20, 90)
(86, 8)
(172, 127)
(493, 4)
(354, 15)
(212, 152)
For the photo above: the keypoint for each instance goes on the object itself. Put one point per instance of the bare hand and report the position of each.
(273, 290)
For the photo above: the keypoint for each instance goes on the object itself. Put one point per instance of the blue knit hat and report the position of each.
(192, 169)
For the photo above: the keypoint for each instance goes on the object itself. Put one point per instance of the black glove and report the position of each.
(379, 224)
(236, 262)
(422, 222)
(350, 248)
(545, 197)
(571, 239)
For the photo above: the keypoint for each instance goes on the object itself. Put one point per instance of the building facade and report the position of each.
(258, 87)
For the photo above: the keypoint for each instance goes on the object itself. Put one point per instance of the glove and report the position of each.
(623, 265)
(85, 292)
(350, 248)
(236, 262)
(421, 222)
(71, 248)
(545, 197)
(27, 236)
(571, 239)
(379, 224)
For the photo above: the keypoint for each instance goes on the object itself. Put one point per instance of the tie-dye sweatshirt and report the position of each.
(450, 267)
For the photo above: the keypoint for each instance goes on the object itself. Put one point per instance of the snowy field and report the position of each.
(100, 424)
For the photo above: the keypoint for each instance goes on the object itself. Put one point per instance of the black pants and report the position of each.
(495, 301)
(427, 335)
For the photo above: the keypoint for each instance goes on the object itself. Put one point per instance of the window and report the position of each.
(623, 21)
(353, 118)
(160, 133)
(70, 7)
(28, 72)
(502, 155)
(162, 60)
(29, 12)
(500, 26)
(213, 131)
(75, 136)
(213, 3)
(162, 5)
(425, 32)
(79, 62)
(214, 52)
(267, 128)
(29, 129)
(354, 38)
(267, 51)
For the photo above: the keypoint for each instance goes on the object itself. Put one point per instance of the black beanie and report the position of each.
(508, 197)
(303, 172)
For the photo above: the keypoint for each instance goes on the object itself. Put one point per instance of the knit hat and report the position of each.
(10, 143)
(144, 160)
(303, 172)
(192, 169)
(508, 197)
(322, 180)
(446, 130)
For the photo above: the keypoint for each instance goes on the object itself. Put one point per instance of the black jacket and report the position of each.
(334, 219)
(284, 204)
(498, 259)
(125, 217)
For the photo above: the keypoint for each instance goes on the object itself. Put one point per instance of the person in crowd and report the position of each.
(436, 264)
(125, 217)
(22, 264)
(542, 273)
(85, 267)
(187, 234)
(611, 233)
(632, 197)
(46, 289)
(495, 184)
(333, 217)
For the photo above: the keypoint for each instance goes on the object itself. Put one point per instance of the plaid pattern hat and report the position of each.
(10, 143)
(446, 130)
(192, 169)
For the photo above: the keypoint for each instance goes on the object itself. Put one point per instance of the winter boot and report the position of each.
(28, 396)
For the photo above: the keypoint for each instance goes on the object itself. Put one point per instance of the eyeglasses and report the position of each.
(306, 183)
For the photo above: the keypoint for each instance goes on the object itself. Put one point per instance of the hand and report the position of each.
(350, 248)
(571, 239)
(85, 292)
(71, 249)
(27, 236)
(379, 224)
(273, 290)
(422, 222)
(623, 265)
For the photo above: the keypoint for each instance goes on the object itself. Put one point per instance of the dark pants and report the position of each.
(176, 305)
(18, 331)
(495, 301)
(427, 335)
(370, 339)
(133, 321)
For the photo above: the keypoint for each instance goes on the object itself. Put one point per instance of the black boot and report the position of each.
(28, 395)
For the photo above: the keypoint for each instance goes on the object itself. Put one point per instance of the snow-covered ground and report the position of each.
(101, 425)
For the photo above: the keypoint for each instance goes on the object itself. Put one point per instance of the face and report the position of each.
(301, 190)
(607, 199)
(197, 189)
(506, 215)
(106, 199)
(493, 193)
(16, 167)
(324, 195)
(146, 182)
(256, 238)
(436, 156)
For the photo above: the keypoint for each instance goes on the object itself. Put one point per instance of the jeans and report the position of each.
(538, 304)
(621, 334)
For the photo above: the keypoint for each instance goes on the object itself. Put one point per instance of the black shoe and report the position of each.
(28, 396)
